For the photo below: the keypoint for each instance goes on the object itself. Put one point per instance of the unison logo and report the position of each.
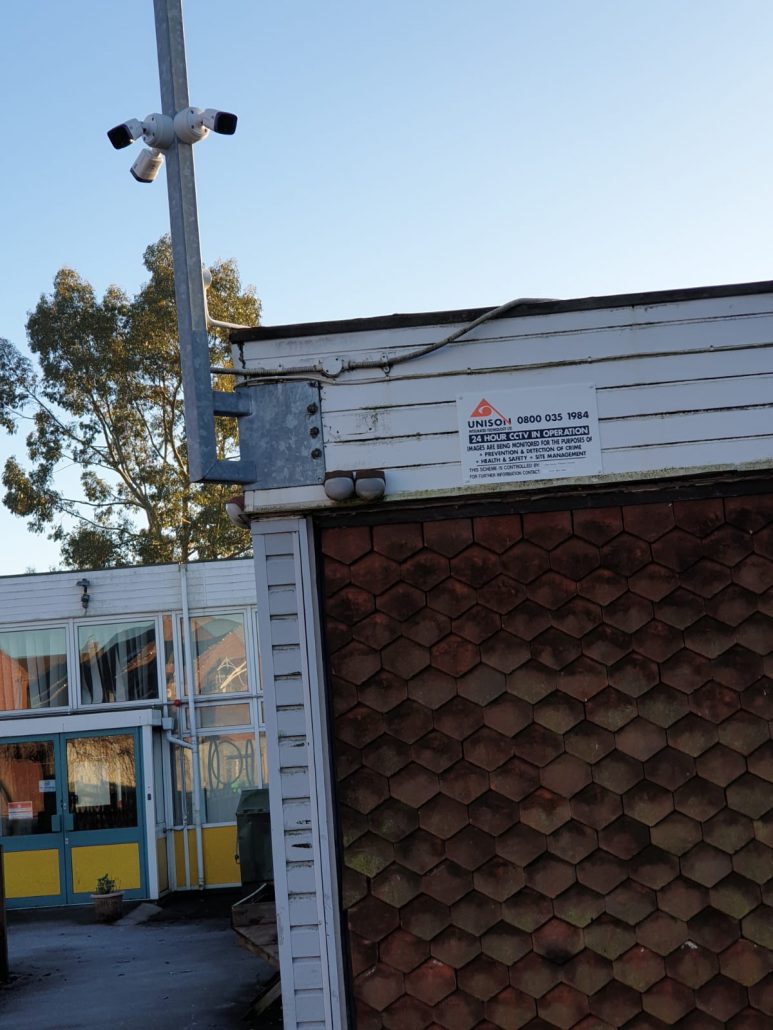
(486, 416)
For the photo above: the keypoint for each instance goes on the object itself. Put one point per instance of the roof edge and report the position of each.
(545, 307)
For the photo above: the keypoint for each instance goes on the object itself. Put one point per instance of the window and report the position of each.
(27, 788)
(219, 654)
(118, 662)
(227, 765)
(33, 669)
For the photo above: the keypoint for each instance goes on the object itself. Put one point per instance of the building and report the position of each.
(97, 771)
(518, 707)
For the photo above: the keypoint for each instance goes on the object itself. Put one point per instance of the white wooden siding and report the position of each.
(305, 882)
(682, 387)
(116, 592)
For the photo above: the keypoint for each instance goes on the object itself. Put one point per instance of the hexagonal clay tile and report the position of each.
(419, 851)
(625, 837)
(455, 946)
(413, 785)
(534, 975)
(432, 688)
(654, 867)
(573, 841)
(396, 886)
(359, 726)
(631, 902)
(532, 682)
(606, 644)
(354, 887)
(692, 965)
(464, 782)
(450, 598)
(686, 671)
(545, 811)
(379, 986)
(761, 995)
(601, 872)
(732, 605)
(758, 926)
(455, 656)
(761, 762)
(755, 633)
(408, 721)
(610, 709)
(458, 718)
(750, 795)
(574, 559)
(737, 668)
(515, 779)
(639, 968)
(647, 803)
(595, 806)
(683, 899)
(713, 929)
(498, 879)
(677, 550)
(369, 854)
(526, 621)
(653, 582)
(442, 816)
(705, 864)
(754, 573)
(493, 813)
(634, 675)
(537, 745)
(662, 933)
(470, 848)
(488, 749)
(424, 917)
(510, 1008)
(447, 882)
(426, 627)
(555, 649)
(382, 692)
(735, 896)
(404, 658)
(566, 775)
(680, 608)
(657, 641)
(617, 772)
(507, 715)
(405, 1011)
(363, 790)
(501, 595)
(563, 1006)
(350, 605)
(720, 765)
(372, 919)
(476, 913)
(746, 962)
(609, 937)
(403, 951)
(583, 678)
(431, 982)
(579, 905)
(477, 624)
(721, 998)
(744, 732)
(551, 590)
(699, 799)
(483, 977)
(436, 751)
(386, 755)
(755, 862)
(597, 525)
(670, 768)
(602, 586)
(616, 1004)
(549, 875)
(668, 1001)
(706, 578)
(375, 573)
(497, 532)
(475, 565)
(728, 831)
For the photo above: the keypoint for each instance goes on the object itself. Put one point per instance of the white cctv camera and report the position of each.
(234, 509)
(193, 124)
(157, 130)
(147, 165)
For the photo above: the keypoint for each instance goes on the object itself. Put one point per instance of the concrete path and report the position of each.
(180, 969)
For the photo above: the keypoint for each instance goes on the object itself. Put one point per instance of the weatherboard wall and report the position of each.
(682, 385)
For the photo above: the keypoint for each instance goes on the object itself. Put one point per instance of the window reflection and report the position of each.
(27, 787)
(101, 782)
(227, 766)
(118, 662)
(33, 669)
(219, 654)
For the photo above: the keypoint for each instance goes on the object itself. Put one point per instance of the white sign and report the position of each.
(546, 433)
(47, 786)
(19, 810)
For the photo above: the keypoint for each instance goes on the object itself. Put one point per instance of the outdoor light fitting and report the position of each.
(159, 132)
(85, 598)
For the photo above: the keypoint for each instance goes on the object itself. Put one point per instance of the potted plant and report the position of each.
(108, 901)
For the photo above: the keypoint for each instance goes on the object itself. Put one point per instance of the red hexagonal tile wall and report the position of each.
(555, 766)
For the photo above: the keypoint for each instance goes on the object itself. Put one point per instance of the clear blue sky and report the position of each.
(395, 155)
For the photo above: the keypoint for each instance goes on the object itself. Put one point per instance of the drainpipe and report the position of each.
(194, 730)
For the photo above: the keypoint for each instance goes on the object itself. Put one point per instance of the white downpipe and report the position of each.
(193, 727)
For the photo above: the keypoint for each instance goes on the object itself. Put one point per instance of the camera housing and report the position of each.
(125, 134)
(148, 165)
(193, 124)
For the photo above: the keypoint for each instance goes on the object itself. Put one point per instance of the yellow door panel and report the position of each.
(121, 862)
(220, 865)
(32, 874)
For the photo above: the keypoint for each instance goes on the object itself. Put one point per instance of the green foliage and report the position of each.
(107, 397)
(105, 885)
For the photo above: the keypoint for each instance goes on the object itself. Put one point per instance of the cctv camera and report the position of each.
(147, 165)
(234, 509)
(125, 134)
(158, 131)
(192, 124)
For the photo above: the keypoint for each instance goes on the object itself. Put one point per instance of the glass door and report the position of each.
(103, 824)
(31, 800)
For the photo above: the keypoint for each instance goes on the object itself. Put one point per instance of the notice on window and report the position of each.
(47, 786)
(19, 810)
(546, 433)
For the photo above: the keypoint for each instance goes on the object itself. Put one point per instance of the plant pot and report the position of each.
(108, 907)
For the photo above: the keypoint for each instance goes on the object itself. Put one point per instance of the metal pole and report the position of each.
(201, 402)
(5, 973)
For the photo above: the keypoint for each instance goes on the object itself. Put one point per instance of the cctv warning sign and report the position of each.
(512, 435)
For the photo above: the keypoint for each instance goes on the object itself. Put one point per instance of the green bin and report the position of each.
(253, 836)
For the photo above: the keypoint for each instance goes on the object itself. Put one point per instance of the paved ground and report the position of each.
(181, 969)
